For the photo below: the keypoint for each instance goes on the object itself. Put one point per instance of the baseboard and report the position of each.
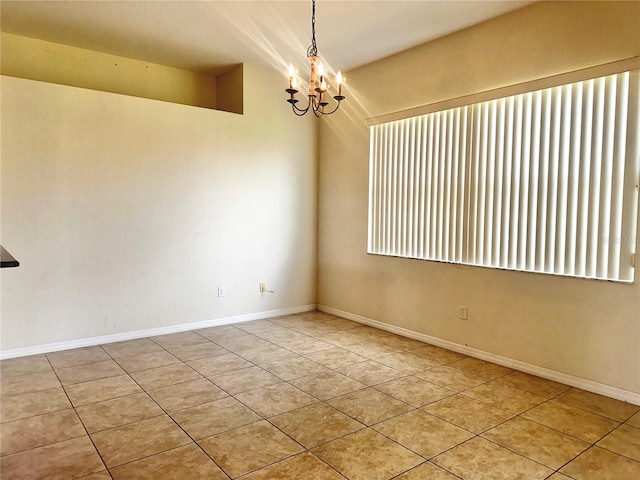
(578, 382)
(151, 332)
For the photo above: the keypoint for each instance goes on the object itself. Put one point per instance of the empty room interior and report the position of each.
(409, 255)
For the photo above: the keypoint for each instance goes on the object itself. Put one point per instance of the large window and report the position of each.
(544, 181)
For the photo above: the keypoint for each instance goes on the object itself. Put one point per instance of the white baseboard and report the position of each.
(565, 378)
(151, 332)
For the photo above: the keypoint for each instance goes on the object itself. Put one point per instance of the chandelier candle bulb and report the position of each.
(292, 73)
(321, 73)
(339, 82)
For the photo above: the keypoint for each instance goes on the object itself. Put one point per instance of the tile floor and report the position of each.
(306, 397)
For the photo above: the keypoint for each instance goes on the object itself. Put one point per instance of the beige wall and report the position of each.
(127, 214)
(56, 63)
(589, 329)
(229, 95)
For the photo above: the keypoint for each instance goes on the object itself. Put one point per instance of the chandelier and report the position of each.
(317, 94)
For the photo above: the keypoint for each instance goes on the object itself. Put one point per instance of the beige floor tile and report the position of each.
(599, 464)
(288, 321)
(342, 323)
(370, 372)
(624, 440)
(280, 334)
(335, 357)
(33, 432)
(258, 326)
(282, 337)
(426, 471)
(437, 354)
(88, 372)
(187, 394)
(634, 421)
(32, 382)
(314, 329)
(319, 316)
(481, 368)
(370, 406)
(342, 338)
(367, 455)
(371, 349)
(414, 391)
(238, 452)
(407, 362)
(468, 413)
(325, 385)
(479, 459)
(244, 380)
(451, 378)
(305, 346)
(26, 405)
(145, 361)
(220, 333)
(303, 466)
(214, 417)
(540, 386)
(182, 463)
(165, 376)
(293, 367)
(227, 362)
(370, 333)
(598, 404)
(266, 353)
(118, 411)
(179, 339)
(59, 461)
(103, 389)
(139, 439)
(24, 366)
(315, 424)
(403, 343)
(537, 442)
(77, 356)
(505, 397)
(240, 343)
(275, 399)
(572, 421)
(97, 476)
(115, 409)
(195, 352)
(423, 433)
(131, 347)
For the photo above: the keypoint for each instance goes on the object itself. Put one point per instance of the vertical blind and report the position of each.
(545, 181)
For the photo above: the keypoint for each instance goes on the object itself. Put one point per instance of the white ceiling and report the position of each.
(203, 35)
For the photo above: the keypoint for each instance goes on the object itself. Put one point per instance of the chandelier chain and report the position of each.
(312, 51)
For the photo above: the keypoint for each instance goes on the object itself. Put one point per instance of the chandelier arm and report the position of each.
(334, 110)
(298, 109)
(317, 107)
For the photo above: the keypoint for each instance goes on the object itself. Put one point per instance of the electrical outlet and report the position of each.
(221, 292)
(263, 288)
(463, 312)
